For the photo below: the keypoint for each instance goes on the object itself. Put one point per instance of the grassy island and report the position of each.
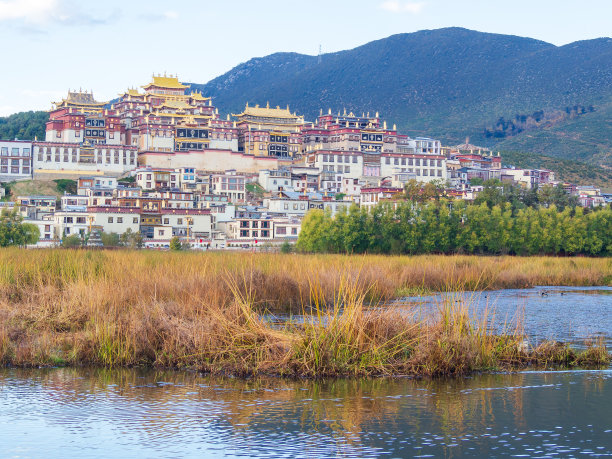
(203, 311)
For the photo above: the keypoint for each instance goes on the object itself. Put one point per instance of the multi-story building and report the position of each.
(371, 196)
(275, 180)
(80, 119)
(15, 160)
(46, 230)
(52, 159)
(287, 228)
(35, 207)
(528, 178)
(269, 132)
(83, 135)
(294, 178)
(71, 220)
(229, 184)
(114, 219)
(347, 146)
(149, 178)
(251, 226)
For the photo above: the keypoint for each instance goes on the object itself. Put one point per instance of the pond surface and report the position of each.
(571, 314)
(130, 413)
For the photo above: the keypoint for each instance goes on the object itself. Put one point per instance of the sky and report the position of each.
(49, 46)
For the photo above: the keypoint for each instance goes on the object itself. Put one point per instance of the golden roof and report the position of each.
(134, 92)
(166, 82)
(267, 112)
(80, 99)
(198, 96)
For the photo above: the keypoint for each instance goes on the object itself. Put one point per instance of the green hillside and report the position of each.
(23, 126)
(449, 83)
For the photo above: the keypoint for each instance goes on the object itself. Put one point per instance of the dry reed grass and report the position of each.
(202, 311)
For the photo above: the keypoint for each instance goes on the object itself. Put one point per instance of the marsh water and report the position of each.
(129, 413)
(66, 412)
(571, 314)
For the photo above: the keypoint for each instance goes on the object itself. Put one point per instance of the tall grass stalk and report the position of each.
(205, 311)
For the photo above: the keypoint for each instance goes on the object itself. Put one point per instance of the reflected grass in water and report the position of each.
(163, 413)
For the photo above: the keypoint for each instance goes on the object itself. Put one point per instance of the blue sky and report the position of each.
(49, 46)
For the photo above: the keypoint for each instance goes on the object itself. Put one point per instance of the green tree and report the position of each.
(286, 247)
(72, 241)
(575, 231)
(492, 194)
(110, 239)
(175, 243)
(416, 191)
(66, 186)
(131, 239)
(31, 233)
(14, 232)
(24, 125)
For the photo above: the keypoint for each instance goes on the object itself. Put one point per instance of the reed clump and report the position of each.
(204, 311)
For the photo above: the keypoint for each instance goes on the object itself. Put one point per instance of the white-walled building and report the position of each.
(71, 221)
(229, 184)
(15, 160)
(51, 159)
(149, 178)
(188, 223)
(114, 219)
(275, 180)
(528, 178)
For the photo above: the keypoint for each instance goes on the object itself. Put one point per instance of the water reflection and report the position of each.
(93, 413)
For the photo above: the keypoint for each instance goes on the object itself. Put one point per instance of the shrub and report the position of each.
(175, 244)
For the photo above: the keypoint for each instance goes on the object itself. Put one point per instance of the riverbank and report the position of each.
(203, 311)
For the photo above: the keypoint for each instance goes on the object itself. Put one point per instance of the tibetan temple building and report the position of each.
(167, 124)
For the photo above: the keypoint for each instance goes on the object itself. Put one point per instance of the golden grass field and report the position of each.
(203, 311)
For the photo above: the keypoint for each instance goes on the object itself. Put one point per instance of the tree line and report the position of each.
(409, 227)
(510, 127)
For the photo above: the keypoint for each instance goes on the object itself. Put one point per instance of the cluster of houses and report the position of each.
(163, 163)
(232, 210)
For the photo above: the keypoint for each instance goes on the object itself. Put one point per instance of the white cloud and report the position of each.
(171, 15)
(32, 14)
(36, 11)
(395, 6)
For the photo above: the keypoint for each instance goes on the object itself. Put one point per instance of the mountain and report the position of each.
(513, 94)
(502, 91)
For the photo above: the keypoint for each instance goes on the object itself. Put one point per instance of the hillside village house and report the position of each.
(229, 184)
(113, 219)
